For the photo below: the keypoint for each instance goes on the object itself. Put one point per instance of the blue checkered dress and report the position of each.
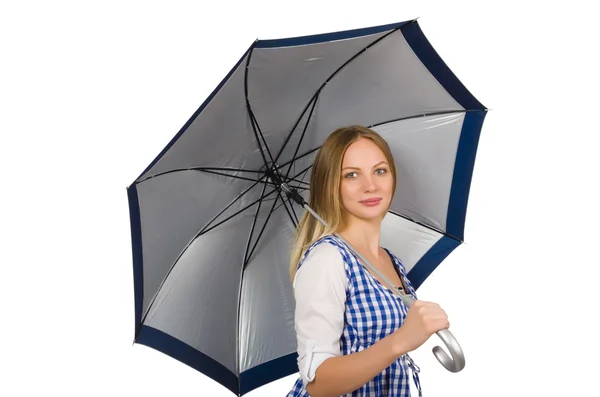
(372, 313)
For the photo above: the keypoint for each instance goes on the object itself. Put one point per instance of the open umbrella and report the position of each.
(212, 217)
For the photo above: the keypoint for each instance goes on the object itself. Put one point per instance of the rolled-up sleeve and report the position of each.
(320, 294)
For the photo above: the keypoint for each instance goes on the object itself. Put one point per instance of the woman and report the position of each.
(353, 333)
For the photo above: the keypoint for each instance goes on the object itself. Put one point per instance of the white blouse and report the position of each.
(320, 293)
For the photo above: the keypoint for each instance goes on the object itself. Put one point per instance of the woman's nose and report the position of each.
(369, 183)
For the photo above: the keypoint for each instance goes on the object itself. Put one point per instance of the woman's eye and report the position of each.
(350, 175)
(381, 171)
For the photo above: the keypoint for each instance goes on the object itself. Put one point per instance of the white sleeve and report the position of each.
(320, 293)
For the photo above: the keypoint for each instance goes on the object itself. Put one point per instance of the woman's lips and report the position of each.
(371, 202)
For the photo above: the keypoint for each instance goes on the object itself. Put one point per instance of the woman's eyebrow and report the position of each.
(356, 168)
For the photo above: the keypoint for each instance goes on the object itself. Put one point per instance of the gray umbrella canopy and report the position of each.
(211, 232)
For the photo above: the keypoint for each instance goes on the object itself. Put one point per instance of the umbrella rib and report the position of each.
(269, 199)
(237, 213)
(416, 116)
(239, 196)
(279, 206)
(332, 76)
(302, 172)
(300, 182)
(294, 218)
(236, 177)
(425, 225)
(239, 303)
(255, 127)
(264, 226)
(312, 101)
(302, 179)
(254, 225)
(226, 169)
(294, 167)
(301, 156)
(301, 189)
(298, 188)
(259, 131)
(196, 169)
(301, 137)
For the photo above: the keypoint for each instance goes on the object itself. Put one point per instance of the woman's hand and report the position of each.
(423, 320)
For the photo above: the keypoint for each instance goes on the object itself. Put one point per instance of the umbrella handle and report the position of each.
(457, 362)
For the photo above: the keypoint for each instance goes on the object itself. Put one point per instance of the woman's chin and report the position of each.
(372, 215)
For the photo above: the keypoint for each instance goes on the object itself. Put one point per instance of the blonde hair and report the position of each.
(325, 180)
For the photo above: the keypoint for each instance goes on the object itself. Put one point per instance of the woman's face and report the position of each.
(367, 181)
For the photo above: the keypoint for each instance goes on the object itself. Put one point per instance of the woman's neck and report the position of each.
(362, 235)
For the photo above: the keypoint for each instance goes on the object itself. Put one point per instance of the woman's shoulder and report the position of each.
(327, 251)
(323, 260)
(327, 246)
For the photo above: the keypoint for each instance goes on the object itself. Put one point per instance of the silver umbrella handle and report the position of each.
(454, 364)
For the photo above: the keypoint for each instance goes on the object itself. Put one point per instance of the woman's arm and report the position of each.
(344, 374)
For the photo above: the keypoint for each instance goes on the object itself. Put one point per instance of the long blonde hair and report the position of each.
(325, 179)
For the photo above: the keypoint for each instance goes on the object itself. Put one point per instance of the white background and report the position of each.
(91, 92)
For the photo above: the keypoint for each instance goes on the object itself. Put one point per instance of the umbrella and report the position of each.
(213, 216)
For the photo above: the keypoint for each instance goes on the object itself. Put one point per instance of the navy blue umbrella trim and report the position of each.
(438, 68)
(136, 243)
(183, 352)
(463, 173)
(431, 260)
(322, 38)
(268, 372)
(248, 380)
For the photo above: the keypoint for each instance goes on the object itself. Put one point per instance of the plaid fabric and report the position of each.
(372, 313)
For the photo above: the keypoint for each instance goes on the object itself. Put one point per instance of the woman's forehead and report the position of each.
(363, 152)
